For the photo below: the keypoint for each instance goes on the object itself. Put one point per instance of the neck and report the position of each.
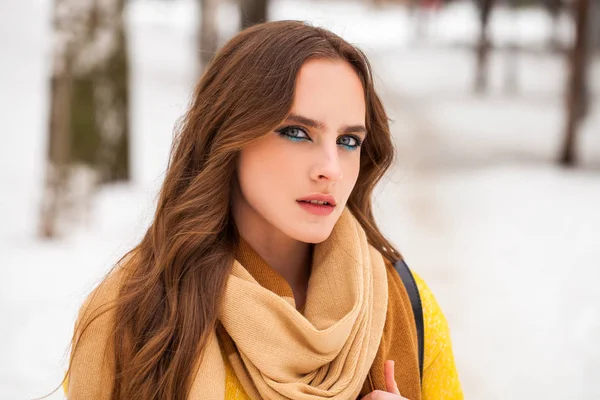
(291, 258)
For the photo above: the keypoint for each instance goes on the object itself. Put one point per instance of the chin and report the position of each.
(312, 236)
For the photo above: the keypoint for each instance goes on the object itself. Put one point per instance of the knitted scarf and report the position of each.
(339, 343)
(324, 353)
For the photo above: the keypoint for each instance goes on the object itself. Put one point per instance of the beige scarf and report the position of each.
(325, 353)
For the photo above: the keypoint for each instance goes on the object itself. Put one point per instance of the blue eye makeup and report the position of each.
(298, 134)
(350, 142)
(293, 133)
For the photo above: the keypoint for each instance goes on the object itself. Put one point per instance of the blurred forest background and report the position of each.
(494, 198)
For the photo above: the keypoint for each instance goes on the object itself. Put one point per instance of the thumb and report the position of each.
(390, 380)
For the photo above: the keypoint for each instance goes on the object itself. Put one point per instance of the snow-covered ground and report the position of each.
(509, 242)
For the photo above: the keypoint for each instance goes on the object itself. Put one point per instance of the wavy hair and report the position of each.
(168, 302)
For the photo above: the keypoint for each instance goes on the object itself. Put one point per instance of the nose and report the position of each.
(327, 166)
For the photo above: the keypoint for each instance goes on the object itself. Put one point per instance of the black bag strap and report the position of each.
(415, 301)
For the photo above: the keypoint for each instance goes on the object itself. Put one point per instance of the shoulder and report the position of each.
(440, 376)
(437, 331)
(101, 300)
(92, 361)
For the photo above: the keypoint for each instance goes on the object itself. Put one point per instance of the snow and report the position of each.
(508, 241)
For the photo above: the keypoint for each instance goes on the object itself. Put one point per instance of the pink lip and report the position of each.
(318, 209)
(320, 197)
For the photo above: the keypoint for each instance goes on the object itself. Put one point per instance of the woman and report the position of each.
(263, 274)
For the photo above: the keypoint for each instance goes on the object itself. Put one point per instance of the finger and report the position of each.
(390, 380)
(381, 395)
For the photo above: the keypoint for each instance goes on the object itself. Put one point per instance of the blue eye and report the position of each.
(293, 133)
(350, 142)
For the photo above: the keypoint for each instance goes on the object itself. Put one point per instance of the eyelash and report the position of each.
(285, 130)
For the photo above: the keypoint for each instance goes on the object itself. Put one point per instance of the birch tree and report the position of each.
(484, 8)
(88, 120)
(577, 96)
(208, 33)
(253, 12)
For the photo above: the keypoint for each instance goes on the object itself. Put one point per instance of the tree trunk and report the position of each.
(111, 96)
(89, 106)
(100, 100)
(576, 90)
(59, 127)
(554, 8)
(483, 47)
(512, 51)
(56, 178)
(594, 25)
(101, 95)
(253, 12)
(208, 33)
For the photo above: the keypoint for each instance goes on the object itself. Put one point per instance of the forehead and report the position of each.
(331, 91)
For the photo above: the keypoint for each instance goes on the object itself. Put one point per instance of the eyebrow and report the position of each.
(345, 129)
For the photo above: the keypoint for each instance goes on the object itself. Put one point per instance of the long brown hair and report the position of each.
(169, 300)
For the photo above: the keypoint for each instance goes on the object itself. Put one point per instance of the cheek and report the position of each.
(264, 170)
(351, 172)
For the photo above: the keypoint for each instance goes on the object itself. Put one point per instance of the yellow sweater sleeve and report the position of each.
(440, 377)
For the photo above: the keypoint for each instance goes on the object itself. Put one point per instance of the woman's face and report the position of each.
(315, 152)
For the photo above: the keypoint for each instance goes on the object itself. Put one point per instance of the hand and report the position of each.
(391, 388)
